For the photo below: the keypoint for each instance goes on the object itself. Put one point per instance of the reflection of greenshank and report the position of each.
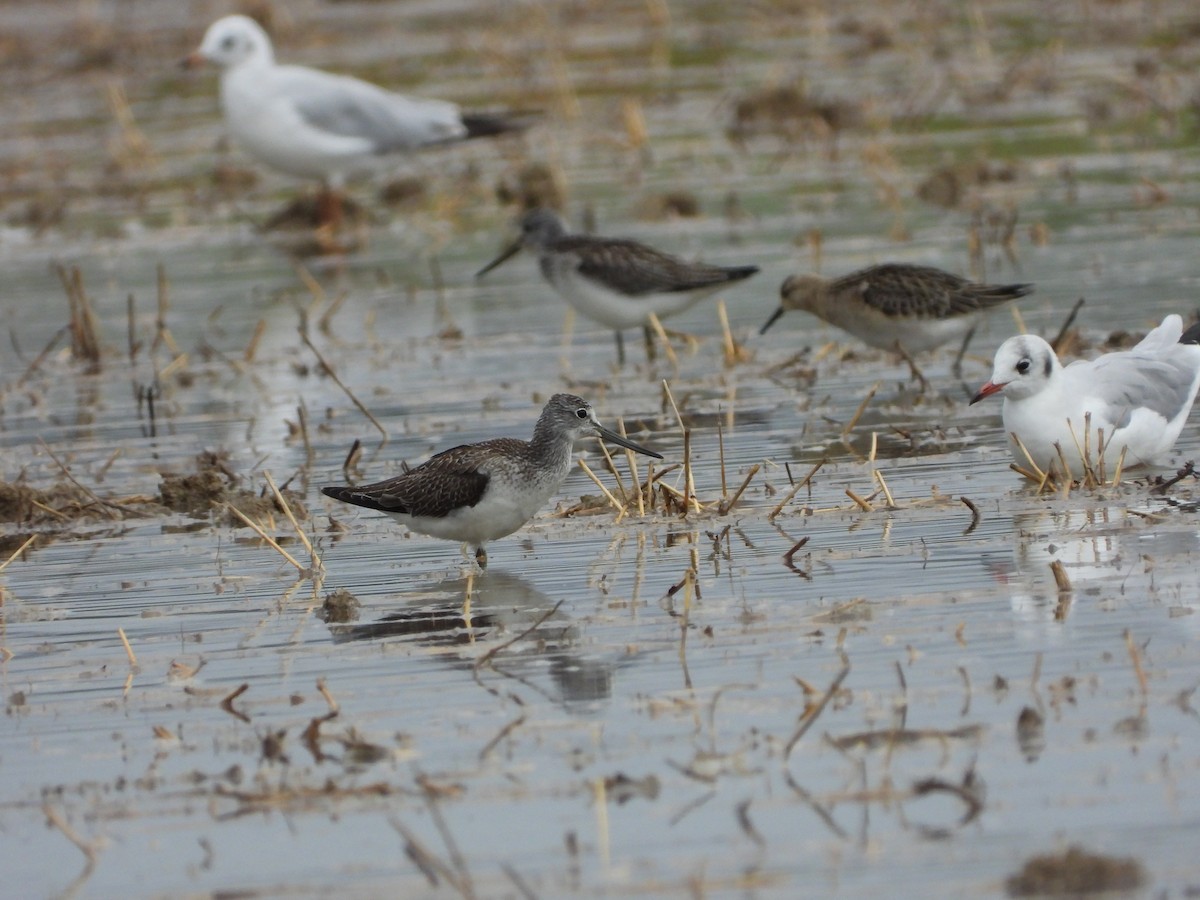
(477, 493)
(615, 282)
(916, 307)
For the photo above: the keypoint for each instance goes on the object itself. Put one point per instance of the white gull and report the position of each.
(1133, 402)
(314, 124)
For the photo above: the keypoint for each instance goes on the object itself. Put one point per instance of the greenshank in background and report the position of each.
(612, 281)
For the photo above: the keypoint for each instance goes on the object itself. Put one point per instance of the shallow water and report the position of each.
(483, 745)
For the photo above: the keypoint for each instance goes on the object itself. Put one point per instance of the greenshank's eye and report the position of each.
(581, 413)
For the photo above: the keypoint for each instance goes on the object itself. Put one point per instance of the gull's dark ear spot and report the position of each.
(1049, 367)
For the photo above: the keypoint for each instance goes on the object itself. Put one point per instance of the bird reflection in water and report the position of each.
(503, 607)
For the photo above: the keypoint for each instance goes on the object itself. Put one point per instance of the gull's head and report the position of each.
(1023, 366)
(566, 415)
(232, 41)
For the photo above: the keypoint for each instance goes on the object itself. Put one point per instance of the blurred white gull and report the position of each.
(1138, 399)
(315, 124)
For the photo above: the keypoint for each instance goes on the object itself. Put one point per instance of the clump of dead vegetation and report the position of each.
(214, 486)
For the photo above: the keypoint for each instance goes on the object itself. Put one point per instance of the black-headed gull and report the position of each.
(1138, 399)
(315, 124)
(613, 281)
(897, 306)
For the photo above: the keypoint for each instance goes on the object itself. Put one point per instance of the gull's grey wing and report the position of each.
(348, 107)
(1121, 383)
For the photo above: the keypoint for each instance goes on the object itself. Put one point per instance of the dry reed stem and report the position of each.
(128, 649)
(1039, 475)
(255, 339)
(858, 412)
(631, 460)
(661, 333)
(266, 537)
(85, 345)
(87, 848)
(730, 349)
(132, 136)
(349, 393)
(1056, 344)
(1135, 657)
(162, 334)
(726, 506)
(603, 843)
(1061, 580)
(891, 503)
(721, 452)
(687, 472)
(859, 501)
(29, 540)
(612, 467)
(324, 692)
(317, 565)
(607, 493)
(795, 489)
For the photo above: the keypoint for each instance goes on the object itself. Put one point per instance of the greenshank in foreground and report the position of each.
(615, 282)
(314, 124)
(896, 306)
(1133, 402)
(477, 493)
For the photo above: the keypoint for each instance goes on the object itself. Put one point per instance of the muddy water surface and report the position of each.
(663, 705)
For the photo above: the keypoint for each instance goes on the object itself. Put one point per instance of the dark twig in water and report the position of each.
(349, 393)
(1066, 325)
(816, 807)
(75, 481)
(36, 364)
(813, 713)
(790, 556)
(227, 703)
(976, 515)
(491, 654)
(1163, 485)
(501, 735)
